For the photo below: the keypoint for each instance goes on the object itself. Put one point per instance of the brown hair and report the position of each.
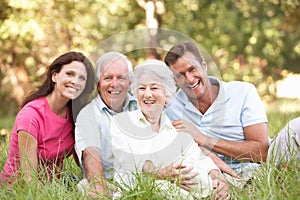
(178, 50)
(48, 85)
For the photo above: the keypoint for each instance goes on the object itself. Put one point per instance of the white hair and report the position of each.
(107, 59)
(160, 70)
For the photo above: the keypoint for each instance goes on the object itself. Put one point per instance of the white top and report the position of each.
(134, 143)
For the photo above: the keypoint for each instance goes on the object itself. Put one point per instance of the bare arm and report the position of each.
(94, 171)
(220, 163)
(28, 154)
(254, 149)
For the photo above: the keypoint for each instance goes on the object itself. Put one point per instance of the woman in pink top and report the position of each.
(43, 133)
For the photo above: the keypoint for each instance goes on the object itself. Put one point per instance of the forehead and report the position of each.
(115, 67)
(185, 62)
(75, 66)
(148, 78)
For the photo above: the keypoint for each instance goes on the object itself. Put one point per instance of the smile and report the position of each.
(149, 101)
(114, 92)
(195, 85)
(72, 88)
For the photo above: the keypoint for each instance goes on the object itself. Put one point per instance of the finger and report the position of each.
(226, 169)
(176, 122)
(186, 187)
(187, 169)
(178, 166)
(189, 176)
(189, 182)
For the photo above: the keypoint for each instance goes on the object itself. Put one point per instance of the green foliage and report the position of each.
(271, 183)
(249, 40)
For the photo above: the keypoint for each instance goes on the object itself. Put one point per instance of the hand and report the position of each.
(190, 128)
(220, 186)
(176, 173)
(184, 126)
(220, 163)
(98, 190)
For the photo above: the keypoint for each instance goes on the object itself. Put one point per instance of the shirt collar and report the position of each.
(130, 104)
(164, 123)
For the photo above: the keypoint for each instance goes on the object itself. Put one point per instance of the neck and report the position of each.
(57, 105)
(154, 121)
(203, 103)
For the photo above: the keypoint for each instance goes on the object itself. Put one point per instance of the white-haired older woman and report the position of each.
(146, 141)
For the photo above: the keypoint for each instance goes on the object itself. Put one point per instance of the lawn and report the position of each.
(270, 183)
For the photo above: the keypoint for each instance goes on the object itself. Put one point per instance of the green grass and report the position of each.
(270, 183)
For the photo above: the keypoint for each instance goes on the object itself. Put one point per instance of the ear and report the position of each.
(98, 86)
(54, 77)
(204, 66)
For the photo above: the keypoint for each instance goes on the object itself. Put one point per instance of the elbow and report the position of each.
(263, 153)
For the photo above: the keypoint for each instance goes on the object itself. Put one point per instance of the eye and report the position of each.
(107, 78)
(179, 75)
(141, 88)
(83, 78)
(192, 69)
(124, 77)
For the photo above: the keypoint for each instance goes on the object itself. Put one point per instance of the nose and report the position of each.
(75, 80)
(189, 77)
(148, 93)
(114, 82)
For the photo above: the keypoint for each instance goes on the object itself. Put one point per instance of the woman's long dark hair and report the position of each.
(48, 85)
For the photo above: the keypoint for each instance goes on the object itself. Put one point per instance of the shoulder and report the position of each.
(87, 112)
(238, 85)
(239, 88)
(36, 106)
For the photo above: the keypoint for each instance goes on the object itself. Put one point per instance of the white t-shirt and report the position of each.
(133, 143)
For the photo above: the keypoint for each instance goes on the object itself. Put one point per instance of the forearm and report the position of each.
(93, 167)
(250, 150)
(28, 154)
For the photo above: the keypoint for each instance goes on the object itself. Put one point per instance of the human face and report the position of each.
(70, 81)
(114, 84)
(151, 95)
(191, 76)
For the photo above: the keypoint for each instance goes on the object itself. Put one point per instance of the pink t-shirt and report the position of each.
(54, 135)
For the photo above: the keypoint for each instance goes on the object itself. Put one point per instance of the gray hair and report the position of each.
(109, 58)
(160, 70)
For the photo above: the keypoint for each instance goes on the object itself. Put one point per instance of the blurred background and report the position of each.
(250, 40)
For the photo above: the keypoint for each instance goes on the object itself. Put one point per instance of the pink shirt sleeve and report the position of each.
(27, 120)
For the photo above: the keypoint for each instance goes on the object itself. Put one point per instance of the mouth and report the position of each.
(72, 88)
(114, 92)
(194, 85)
(150, 102)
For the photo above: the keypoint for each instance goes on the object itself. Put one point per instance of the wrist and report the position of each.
(199, 138)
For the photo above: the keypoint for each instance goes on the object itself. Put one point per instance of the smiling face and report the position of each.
(151, 95)
(113, 85)
(70, 81)
(191, 76)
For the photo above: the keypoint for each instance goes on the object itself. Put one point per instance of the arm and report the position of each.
(94, 171)
(254, 148)
(220, 163)
(28, 154)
